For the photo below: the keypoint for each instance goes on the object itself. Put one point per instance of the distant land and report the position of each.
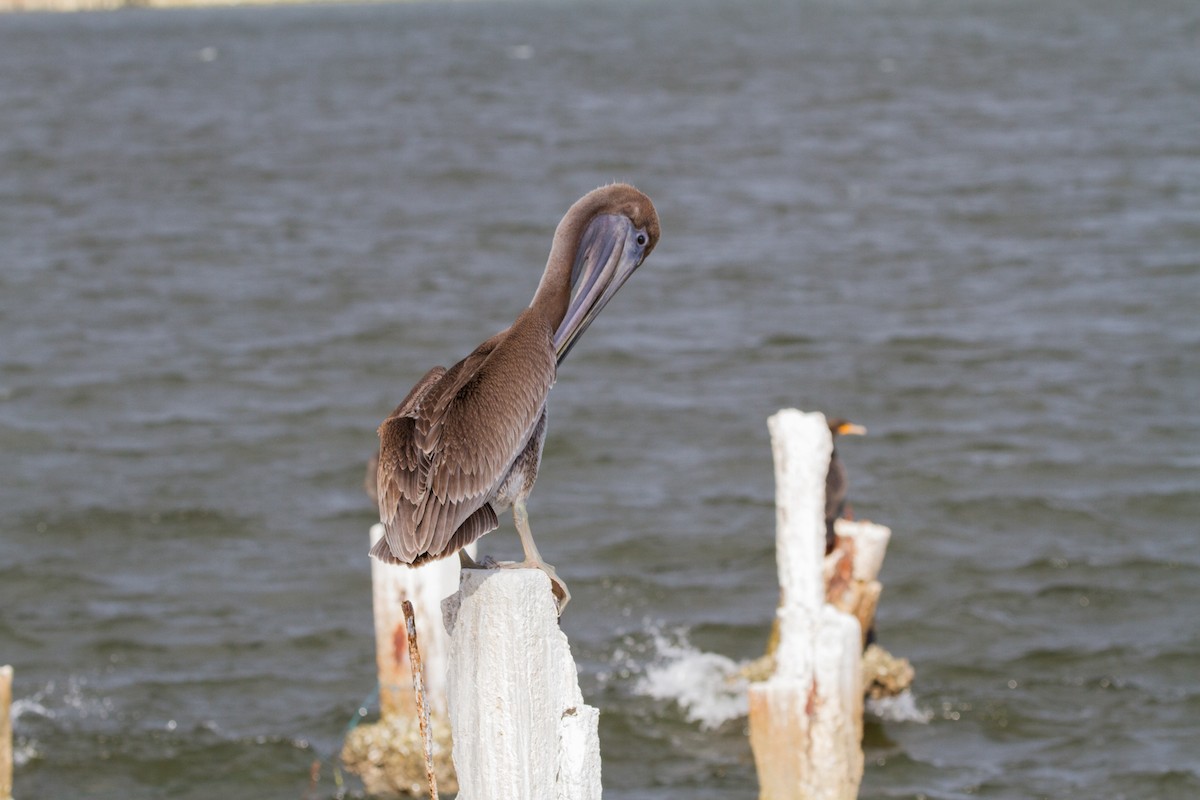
(112, 5)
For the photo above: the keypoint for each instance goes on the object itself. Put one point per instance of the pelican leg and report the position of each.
(533, 559)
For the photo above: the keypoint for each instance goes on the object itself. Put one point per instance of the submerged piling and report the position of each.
(806, 718)
(521, 728)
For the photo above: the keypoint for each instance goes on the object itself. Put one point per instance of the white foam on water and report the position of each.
(25, 751)
(73, 699)
(29, 705)
(901, 708)
(710, 688)
(707, 686)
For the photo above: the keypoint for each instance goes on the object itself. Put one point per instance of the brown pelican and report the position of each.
(467, 441)
(835, 480)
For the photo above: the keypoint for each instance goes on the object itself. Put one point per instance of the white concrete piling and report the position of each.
(806, 719)
(521, 729)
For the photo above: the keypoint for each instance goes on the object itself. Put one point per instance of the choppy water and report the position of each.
(230, 240)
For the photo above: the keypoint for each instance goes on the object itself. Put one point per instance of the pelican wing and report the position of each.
(398, 476)
(482, 423)
(452, 446)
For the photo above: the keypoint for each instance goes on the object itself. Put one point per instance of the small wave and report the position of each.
(73, 700)
(29, 705)
(901, 708)
(707, 686)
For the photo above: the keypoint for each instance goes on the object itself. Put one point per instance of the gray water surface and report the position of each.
(231, 240)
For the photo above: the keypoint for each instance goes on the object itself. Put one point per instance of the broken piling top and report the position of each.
(521, 729)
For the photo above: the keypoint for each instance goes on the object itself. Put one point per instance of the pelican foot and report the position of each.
(562, 595)
(466, 562)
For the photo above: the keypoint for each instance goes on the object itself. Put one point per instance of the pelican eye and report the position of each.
(641, 239)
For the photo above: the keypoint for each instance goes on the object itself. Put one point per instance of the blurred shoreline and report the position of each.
(116, 5)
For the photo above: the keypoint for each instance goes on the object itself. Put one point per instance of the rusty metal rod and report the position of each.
(414, 660)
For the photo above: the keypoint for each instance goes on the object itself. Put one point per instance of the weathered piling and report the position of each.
(389, 755)
(806, 719)
(425, 587)
(521, 728)
(852, 585)
(852, 569)
(6, 737)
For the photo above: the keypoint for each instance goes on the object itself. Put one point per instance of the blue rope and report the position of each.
(361, 713)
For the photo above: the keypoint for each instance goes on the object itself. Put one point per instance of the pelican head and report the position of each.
(616, 238)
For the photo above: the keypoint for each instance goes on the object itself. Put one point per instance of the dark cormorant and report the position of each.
(835, 480)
